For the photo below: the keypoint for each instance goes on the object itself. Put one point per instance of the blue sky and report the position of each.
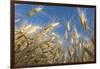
(60, 14)
(56, 13)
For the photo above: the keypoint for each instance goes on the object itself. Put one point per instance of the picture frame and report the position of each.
(49, 18)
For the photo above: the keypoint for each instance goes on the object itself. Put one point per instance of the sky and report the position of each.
(49, 14)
